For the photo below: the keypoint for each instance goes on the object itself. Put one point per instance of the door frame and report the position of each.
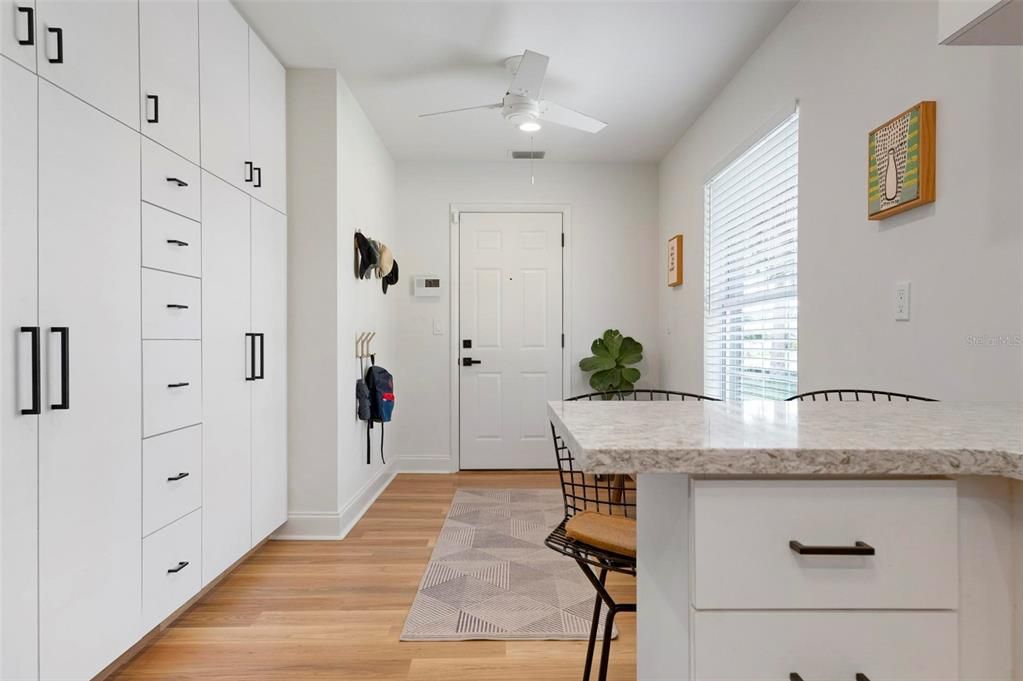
(454, 239)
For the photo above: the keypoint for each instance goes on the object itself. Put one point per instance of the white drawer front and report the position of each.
(742, 558)
(170, 242)
(769, 646)
(171, 385)
(169, 180)
(171, 477)
(164, 591)
(171, 306)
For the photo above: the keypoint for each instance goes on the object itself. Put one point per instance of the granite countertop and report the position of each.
(794, 438)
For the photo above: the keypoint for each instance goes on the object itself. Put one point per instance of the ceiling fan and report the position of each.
(522, 104)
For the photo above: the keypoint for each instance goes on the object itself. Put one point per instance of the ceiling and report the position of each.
(646, 68)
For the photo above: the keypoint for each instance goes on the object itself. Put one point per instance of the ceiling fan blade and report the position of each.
(555, 113)
(467, 108)
(529, 75)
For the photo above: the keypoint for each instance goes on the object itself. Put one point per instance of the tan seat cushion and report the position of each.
(609, 532)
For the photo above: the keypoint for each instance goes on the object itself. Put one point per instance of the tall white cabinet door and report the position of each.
(17, 32)
(90, 436)
(18, 429)
(267, 120)
(169, 54)
(270, 391)
(224, 91)
(227, 400)
(91, 49)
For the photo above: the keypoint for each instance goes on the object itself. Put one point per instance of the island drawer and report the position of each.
(769, 646)
(763, 544)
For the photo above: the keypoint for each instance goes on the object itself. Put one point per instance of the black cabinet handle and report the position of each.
(36, 407)
(262, 357)
(155, 99)
(180, 183)
(251, 375)
(469, 361)
(177, 242)
(178, 385)
(258, 181)
(181, 566)
(179, 476)
(30, 12)
(59, 32)
(176, 306)
(65, 367)
(858, 549)
(248, 171)
(796, 677)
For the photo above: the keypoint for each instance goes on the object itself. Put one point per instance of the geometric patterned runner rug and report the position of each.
(491, 577)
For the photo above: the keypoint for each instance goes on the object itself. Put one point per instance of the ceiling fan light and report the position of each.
(529, 126)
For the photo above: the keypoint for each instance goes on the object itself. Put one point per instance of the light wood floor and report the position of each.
(334, 610)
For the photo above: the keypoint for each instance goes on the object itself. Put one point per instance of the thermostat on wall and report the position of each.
(426, 286)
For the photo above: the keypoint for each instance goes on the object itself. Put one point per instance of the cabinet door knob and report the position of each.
(180, 566)
(858, 549)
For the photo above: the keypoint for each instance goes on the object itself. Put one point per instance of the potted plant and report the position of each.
(610, 363)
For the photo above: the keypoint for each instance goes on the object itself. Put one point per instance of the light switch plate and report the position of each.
(902, 301)
(438, 327)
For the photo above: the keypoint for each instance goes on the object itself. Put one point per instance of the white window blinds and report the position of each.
(750, 260)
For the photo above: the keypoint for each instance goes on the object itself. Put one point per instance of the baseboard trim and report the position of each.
(335, 525)
(426, 464)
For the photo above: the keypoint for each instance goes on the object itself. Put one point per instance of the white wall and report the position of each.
(340, 178)
(615, 267)
(853, 65)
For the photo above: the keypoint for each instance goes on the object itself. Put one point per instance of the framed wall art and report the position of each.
(900, 162)
(675, 260)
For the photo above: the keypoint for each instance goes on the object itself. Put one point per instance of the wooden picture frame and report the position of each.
(675, 260)
(901, 162)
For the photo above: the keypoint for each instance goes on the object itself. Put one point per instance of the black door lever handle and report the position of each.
(469, 361)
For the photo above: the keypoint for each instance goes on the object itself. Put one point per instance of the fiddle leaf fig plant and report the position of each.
(610, 363)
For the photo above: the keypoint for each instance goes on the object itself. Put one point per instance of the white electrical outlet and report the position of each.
(902, 301)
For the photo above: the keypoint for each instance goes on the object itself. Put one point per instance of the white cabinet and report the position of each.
(171, 562)
(227, 396)
(171, 477)
(170, 242)
(17, 31)
(980, 22)
(90, 430)
(267, 125)
(91, 49)
(18, 429)
(169, 181)
(169, 63)
(224, 92)
(270, 390)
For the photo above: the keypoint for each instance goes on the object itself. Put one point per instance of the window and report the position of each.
(750, 261)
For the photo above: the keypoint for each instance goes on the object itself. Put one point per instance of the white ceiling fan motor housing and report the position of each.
(519, 109)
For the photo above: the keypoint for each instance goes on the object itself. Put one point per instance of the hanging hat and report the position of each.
(386, 261)
(364, 257)
(374, 246)
(392, 277)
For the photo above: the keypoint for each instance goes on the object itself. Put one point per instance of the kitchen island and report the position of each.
(825, 540)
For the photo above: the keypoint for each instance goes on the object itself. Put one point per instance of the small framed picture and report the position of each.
(675, 260)
(900, 162)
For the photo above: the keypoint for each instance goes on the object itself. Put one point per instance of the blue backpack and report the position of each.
(380, 385)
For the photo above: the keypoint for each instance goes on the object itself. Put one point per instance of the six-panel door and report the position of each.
(18, 429)
(90, 430)
(270, 390)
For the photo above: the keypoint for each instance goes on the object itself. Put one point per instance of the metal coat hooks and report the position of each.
(362, 350)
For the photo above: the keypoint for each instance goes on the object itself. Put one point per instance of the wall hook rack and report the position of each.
(362, 342)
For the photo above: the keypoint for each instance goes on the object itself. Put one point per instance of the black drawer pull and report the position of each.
(178, 385)
(36, 407)
(176, 306)
(31, 13)
(179, 476)
(177, 242)
(858, 549)
(181, 566)
(258, 178)
(59, 32)
(65, 367)
(180, 183)
(796, 677)
(155, 99)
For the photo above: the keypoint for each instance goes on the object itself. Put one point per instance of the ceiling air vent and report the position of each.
(528, 155)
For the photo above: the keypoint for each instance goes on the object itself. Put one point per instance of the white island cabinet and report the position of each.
(818, 540)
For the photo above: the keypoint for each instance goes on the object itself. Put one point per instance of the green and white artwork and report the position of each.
(900, 163)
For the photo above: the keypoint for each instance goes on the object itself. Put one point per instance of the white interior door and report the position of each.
(90, 434)
(227, 396)
(510, 312)
(270, 390)
(19, 426)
